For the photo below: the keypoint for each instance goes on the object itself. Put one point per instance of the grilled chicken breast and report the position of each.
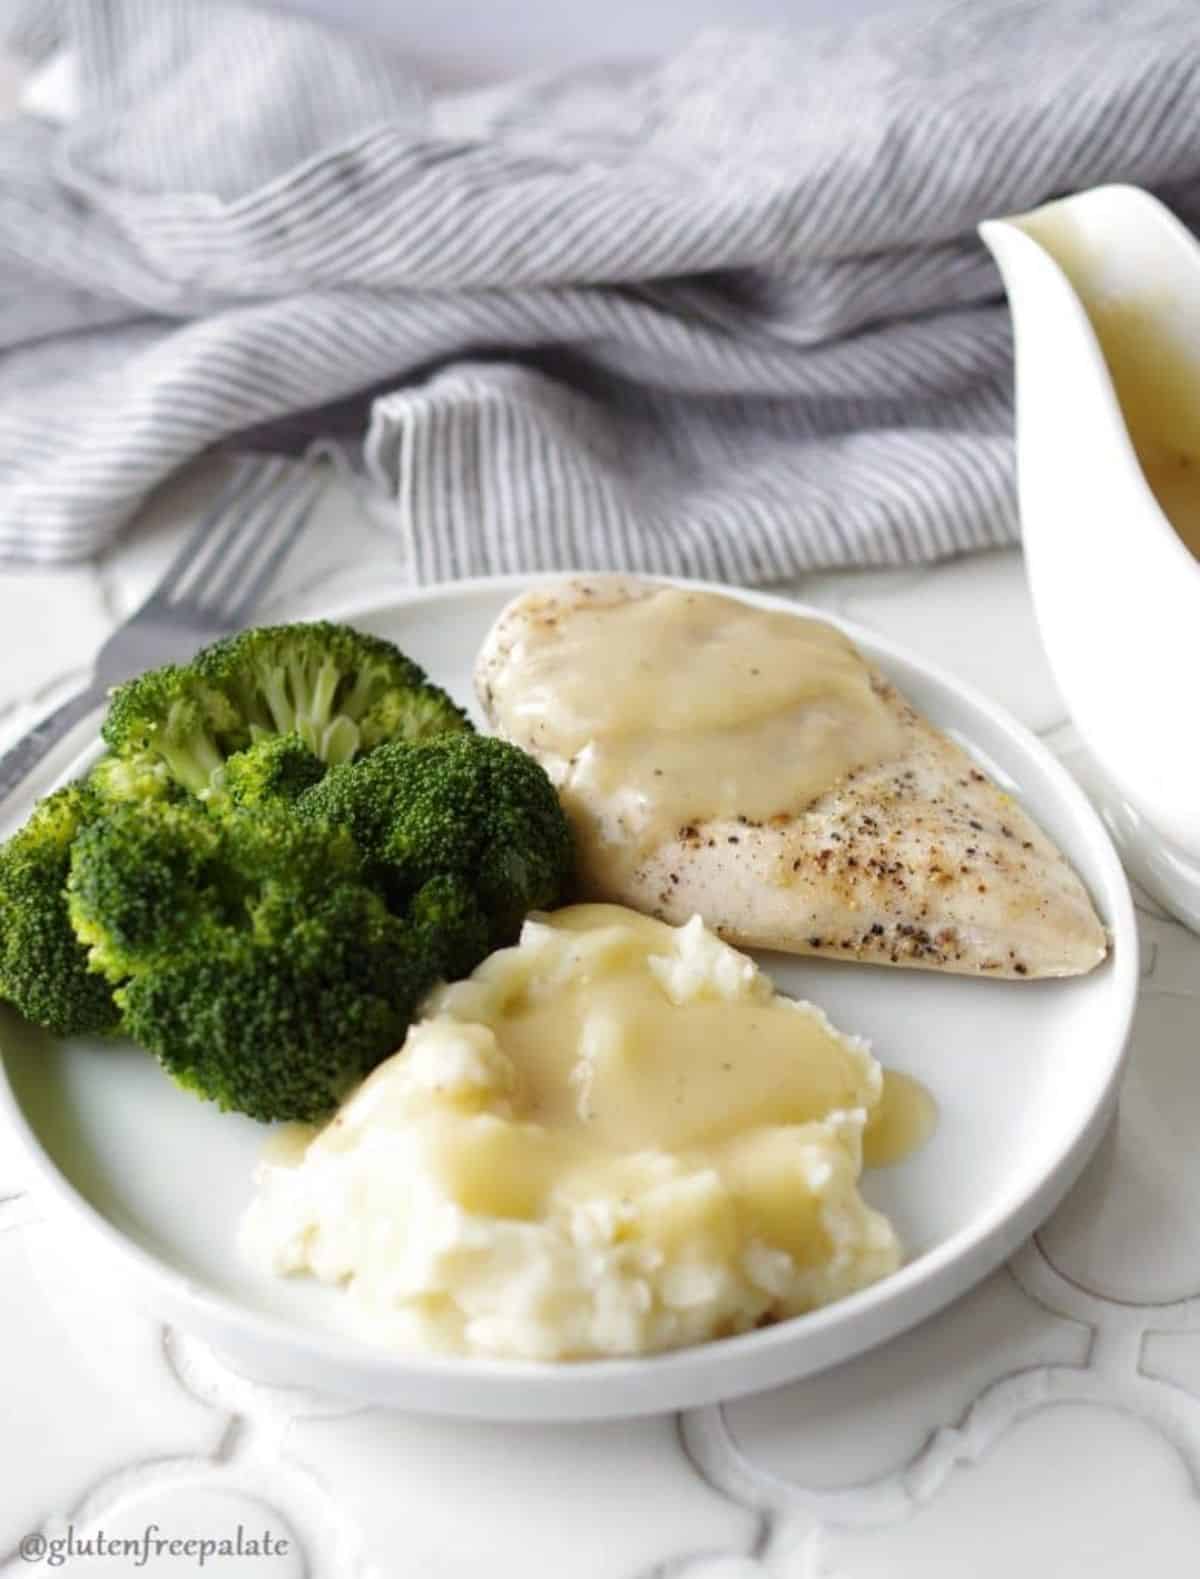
(918, 860)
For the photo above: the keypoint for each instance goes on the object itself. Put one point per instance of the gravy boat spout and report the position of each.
(1104, 289)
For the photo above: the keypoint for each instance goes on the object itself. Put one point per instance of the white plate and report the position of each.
(1025, 1074)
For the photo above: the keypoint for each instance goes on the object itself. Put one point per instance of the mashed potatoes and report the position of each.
(611, 1139)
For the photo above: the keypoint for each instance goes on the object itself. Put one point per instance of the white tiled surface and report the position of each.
(1048, 1423)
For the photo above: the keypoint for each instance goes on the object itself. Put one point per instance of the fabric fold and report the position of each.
(723, 316)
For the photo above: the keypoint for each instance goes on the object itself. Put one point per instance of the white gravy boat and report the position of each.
(1105, 295)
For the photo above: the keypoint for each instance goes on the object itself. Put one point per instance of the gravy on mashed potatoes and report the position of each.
(611, 1139)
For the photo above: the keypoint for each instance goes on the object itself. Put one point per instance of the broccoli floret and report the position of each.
(248, 1031)
(342, 691)
(255, 959)
(145, 881)
(453, 929)
(274, 771)
(467, 808)
(171, 717)
(43, 968)
(144, 777)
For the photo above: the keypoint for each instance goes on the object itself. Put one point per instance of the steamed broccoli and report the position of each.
(147, 881)
(171, 721)
(271, 948)
(274, 770)
(253, 956)
(43, 968)
(342, 691)
(118, 779)
(469, 809)
(291, 840)
(452, 928)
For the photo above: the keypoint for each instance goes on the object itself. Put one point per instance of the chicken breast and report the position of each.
(918, 859)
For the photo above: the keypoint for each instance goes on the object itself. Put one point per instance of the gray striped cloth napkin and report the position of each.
(722, 316)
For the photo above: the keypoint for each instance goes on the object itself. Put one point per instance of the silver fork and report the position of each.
(207, 591)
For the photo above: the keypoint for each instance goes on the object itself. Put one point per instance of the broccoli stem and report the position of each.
(194, 763)
(340, 740)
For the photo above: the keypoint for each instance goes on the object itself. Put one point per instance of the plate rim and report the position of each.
(627, 1386)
